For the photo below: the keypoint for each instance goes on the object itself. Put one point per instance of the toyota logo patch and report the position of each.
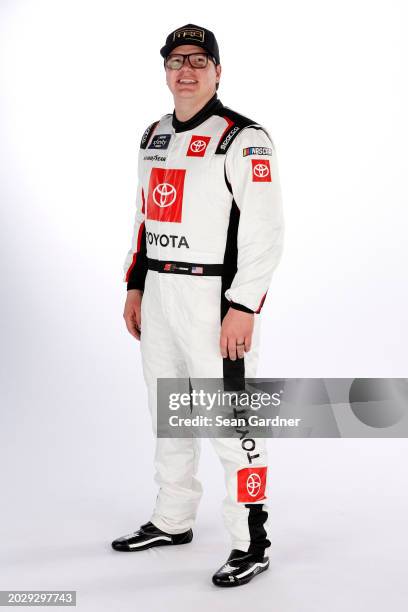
(165, 195)
(261, 170)
(198, 146)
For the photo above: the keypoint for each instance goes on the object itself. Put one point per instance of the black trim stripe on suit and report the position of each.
(238, 123)
(137, 275)
(147, 133)
(184, 267)
(234, 373)
(256, 520)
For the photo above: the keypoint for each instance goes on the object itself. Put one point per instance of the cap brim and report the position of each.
(164, 51)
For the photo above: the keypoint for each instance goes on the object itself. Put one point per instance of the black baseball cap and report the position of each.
(191, 34)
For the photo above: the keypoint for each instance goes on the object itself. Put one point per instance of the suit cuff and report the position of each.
(241, 307)
(135, 285)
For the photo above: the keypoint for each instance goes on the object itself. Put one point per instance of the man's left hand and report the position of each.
(236, 333)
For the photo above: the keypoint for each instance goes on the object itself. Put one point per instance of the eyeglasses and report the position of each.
(196, 60)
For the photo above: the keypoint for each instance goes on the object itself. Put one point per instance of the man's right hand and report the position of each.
(132, 313)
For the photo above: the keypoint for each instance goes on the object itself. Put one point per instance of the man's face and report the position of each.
(193, 83)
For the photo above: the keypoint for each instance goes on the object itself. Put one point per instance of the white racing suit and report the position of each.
(208, 234)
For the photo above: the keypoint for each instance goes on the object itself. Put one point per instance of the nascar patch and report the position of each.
(257, 151)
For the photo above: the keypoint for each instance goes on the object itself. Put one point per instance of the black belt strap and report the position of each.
(182, 267)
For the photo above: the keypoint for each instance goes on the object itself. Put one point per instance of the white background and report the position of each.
(80, 81)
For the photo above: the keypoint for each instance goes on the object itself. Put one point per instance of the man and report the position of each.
(207, 237)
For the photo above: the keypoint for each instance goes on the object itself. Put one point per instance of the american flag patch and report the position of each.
(197, 270)
(167, 267)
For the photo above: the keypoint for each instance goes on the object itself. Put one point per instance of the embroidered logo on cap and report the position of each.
(189, 34)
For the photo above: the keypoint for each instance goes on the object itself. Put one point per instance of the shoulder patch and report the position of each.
(256, 151)
(147, 133)
(235, 123)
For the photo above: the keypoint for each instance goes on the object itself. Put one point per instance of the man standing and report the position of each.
(208, 234)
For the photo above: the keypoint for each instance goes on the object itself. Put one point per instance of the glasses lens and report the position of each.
(198, 60)
(174, 62)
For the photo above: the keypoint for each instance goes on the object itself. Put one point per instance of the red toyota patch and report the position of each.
(251, 484)
(261, 170)
(165, 197)
(198, 146)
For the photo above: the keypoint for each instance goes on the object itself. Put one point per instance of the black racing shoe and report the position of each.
(148, 536)
(240, 568)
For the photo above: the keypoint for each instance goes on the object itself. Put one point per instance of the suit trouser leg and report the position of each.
(180, 338)
(176, 459)
(246, 520)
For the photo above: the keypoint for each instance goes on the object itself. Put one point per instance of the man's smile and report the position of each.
(187, 81)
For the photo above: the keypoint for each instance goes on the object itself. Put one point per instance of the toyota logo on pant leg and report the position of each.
(261, 170)
(164, 194)
(198, 145)
(253, 484)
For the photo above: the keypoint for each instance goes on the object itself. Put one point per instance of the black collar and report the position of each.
(210, 108)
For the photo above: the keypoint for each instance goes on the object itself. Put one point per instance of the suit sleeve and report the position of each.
(135, 265)
(255, 185)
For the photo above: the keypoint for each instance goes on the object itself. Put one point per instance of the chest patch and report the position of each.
(165, 195)
(160, 141)
(198, 146)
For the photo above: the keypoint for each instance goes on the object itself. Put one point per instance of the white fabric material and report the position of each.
(260, 232)
(200, 234)
(185, 208)
(180, 338)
